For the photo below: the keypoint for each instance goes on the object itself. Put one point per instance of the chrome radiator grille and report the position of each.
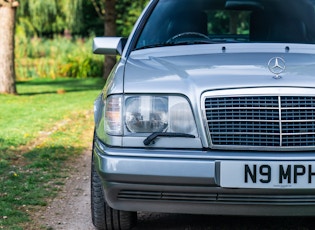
(261, 121)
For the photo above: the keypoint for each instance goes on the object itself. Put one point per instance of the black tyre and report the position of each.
(103, 216)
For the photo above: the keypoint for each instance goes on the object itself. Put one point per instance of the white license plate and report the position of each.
(267, 174)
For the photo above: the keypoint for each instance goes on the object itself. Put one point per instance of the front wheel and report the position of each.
(103, 216)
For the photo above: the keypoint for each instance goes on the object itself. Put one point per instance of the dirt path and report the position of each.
(70, 210)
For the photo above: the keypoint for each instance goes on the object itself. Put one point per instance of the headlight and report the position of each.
(148, 114)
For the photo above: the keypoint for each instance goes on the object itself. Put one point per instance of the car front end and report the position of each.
(224, 127)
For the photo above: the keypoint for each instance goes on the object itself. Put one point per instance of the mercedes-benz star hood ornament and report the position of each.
(276, 66)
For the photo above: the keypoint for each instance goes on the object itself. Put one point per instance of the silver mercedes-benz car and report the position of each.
(210, 110)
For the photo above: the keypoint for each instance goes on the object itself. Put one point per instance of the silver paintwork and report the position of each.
(107, 45)
(191, 166)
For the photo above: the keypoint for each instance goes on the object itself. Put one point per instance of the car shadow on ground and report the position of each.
(160, 221)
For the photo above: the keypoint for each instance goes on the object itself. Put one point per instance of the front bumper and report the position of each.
(187, 181)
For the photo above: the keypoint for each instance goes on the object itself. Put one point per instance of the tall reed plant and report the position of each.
(57, 57)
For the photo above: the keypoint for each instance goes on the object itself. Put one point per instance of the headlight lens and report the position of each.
(181, 118)
(148, 114)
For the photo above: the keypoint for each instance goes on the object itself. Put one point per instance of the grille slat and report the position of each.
(243, 113)
(261, 121)
(208, 198)
(166, 196)
(244, 126)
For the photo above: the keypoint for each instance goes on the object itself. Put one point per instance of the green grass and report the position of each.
(40, 131)
(39, 106)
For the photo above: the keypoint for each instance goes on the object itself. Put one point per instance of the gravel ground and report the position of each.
(70, 210)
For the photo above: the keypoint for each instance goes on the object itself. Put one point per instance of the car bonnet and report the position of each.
(180, 69)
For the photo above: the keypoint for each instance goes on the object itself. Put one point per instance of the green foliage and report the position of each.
(128, 13)
(43, 14)
(73, 14)
(91, 22)
(38, 56)
(81, 67)
(58, 57)
(221, 23)
(49, 17)
(25, 28)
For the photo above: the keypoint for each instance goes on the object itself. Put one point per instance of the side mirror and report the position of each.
(109, 45)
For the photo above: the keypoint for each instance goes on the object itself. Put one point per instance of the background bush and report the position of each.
(57, 57)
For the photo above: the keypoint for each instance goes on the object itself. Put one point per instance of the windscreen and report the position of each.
(175, 22)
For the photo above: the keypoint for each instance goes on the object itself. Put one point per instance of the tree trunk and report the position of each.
(7, 26)
(110, 30)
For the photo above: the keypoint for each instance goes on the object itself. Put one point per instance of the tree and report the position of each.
(110, 29)
(7, 28)
(119, 17)
(109, 17)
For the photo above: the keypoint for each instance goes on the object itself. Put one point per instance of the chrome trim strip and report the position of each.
(280, 121)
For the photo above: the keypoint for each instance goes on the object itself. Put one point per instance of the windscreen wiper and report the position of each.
(177, 44)
(154, 46)
(194, 42)
(153, 136)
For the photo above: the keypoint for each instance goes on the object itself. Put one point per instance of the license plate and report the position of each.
(267, 174)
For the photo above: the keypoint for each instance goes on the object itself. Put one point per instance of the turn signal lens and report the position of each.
(113, 118)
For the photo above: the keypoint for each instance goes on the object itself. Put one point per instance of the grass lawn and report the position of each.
(49, 122)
